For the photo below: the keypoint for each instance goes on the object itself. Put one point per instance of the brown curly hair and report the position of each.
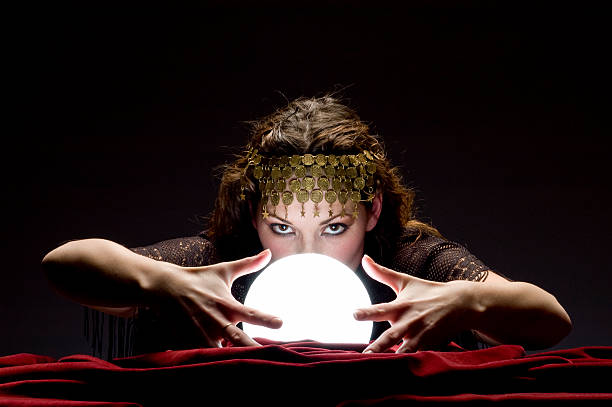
(311, 125)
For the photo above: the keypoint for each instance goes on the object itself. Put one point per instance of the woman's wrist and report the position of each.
(158, 280)
(473, 306)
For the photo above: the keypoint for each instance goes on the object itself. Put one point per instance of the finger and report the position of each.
(407, 346)
(210, 342)
(377, 312)
(388, 339)
(237, 336)
(255, 316)
(424, 339)
(383, 274)
(415, 343)
(248, 265)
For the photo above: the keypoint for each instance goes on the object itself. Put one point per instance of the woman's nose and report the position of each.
(307, 246)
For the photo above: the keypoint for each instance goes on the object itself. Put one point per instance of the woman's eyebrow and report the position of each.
(329, 220)
(281, 219)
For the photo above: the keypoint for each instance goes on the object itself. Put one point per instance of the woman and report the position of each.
(311, 179)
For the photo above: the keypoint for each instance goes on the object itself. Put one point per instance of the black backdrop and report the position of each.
(119, 114)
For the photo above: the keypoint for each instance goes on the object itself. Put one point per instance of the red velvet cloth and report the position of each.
(311, 373)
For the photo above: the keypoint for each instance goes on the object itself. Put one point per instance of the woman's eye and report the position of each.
(281, 229)
(335, 229)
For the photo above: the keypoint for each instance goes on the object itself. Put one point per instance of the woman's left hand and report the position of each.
(425, 313)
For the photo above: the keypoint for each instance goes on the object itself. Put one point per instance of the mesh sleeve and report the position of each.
(190, 251)
(436, 259)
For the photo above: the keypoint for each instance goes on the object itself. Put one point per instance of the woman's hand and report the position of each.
(205, 294)
(425, 314)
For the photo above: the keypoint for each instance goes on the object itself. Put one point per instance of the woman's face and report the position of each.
(340, 237)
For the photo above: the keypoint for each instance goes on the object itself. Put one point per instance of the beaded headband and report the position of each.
(341, 178)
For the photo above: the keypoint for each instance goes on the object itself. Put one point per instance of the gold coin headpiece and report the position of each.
(314, 177)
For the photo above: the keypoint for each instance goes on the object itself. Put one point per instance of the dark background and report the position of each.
(119, 114)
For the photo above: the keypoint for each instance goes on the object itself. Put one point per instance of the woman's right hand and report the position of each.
(205, 294)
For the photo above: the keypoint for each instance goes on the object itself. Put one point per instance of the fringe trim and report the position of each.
(116, 334)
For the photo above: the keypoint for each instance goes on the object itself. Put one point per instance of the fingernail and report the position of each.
(368, 351)
(357, 314)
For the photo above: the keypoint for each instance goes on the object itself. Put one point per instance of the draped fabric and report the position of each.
(313, 374)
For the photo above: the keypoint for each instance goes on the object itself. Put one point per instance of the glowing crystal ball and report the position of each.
(315, 296)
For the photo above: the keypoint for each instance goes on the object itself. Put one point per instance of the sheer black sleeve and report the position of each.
(190, 251)
(433, 258)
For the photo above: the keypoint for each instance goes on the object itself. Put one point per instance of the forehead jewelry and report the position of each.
(283, 179)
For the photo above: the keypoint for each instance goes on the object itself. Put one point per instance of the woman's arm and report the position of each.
(516, 312)
(105, 275)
